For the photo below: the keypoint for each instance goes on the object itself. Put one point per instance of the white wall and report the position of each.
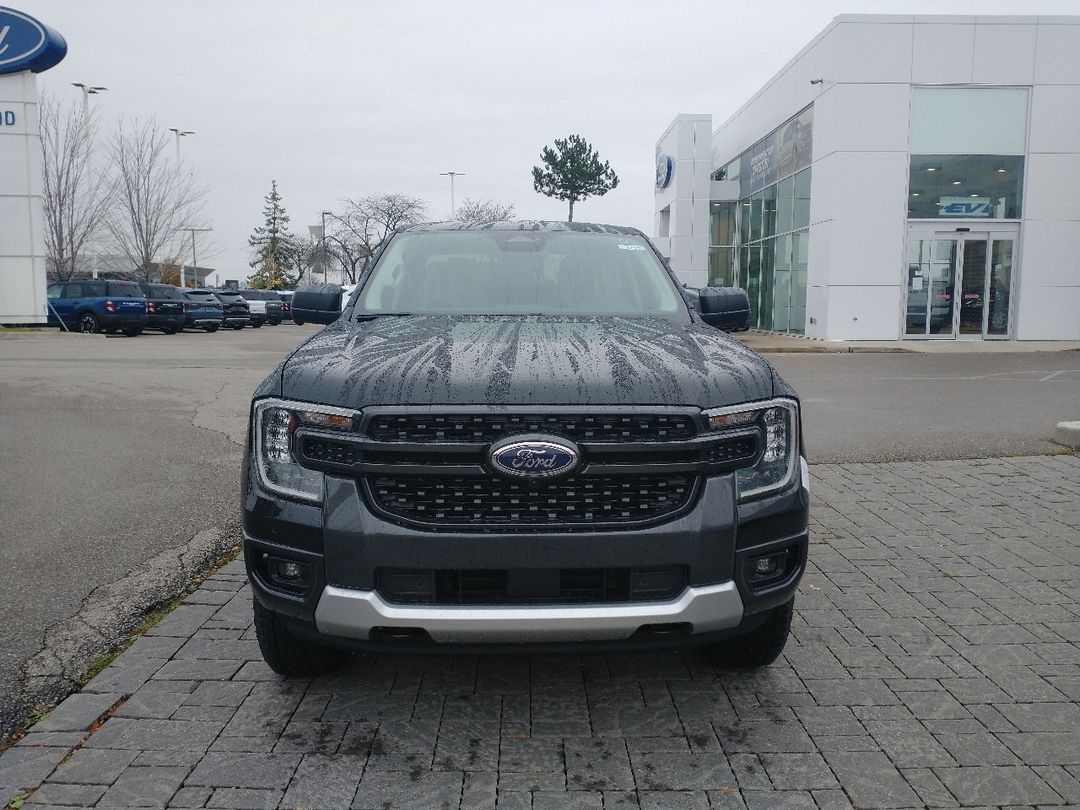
(686, 199)
(867, 64)
(22, 239)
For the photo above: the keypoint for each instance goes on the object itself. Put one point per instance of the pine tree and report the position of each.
(572, 171)
(274, 257)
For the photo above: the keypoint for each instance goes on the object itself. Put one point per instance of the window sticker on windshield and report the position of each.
(631, 247)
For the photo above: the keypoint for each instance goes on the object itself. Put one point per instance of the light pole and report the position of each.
(87, 91)
(452, 175)
(322, 250)
(194, 258)
(179, 133)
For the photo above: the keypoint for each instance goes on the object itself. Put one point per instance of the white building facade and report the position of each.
(903, 177)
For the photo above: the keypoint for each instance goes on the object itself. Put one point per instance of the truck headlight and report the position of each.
(275, 421)
(778, 421)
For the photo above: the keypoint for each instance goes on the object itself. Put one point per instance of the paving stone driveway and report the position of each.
(935, 662)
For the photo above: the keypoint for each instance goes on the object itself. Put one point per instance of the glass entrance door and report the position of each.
(958, 284)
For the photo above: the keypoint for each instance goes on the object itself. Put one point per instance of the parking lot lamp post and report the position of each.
(452, 175)
(194, 258)
(87, 91)
(180, 133)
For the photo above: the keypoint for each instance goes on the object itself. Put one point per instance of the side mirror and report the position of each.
(319, 303)
(726, 308)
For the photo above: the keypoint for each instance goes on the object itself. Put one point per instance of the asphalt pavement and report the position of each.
(121, 462)
(115, 450)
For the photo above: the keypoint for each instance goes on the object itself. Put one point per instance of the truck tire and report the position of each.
(288, 654)
(758, 648)
(134, 331)
(87, 323)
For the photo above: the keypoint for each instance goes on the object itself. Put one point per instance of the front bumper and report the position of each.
(355, 614)
(344, 543)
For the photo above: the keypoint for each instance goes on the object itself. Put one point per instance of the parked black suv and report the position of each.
(236, 311)
(164, 307)
(520, 434)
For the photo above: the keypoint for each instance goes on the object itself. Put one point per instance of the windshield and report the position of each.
(519, 273)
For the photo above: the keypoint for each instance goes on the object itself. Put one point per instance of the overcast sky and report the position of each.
(338, 99)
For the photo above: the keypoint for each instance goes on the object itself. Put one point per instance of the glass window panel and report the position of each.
(1001, 264)
(802, 200)
(722, 223)
(744, 221)
(785, 204)
(918, 275)
(973, 287)
(800, 260)
(965, 186)
(971, 120)
(781, 282)
(768, 212)
(765, 320)
(721, 267)
(755, 216)
(753, 282)
(805, 146)
(743, 268)
(941, 285)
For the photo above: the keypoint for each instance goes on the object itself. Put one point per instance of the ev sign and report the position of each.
(27, 47)
(964, 207)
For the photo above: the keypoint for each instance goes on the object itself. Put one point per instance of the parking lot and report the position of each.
(934, 660)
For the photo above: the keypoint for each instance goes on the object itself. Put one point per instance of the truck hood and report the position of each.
(469, 360)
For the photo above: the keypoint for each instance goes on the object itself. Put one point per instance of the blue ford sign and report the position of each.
(26, 44)
(665, 168)
(533, 458)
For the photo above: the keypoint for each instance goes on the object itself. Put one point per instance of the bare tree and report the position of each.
(483, 211)
(347, 250)
(152, 197)
(368, 221)
(304, 253)
(74, 191)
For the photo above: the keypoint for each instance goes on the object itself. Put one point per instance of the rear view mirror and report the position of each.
(726, 308)
(318, 303)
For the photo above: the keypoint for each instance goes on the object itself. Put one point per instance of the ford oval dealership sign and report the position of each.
(26, 44)
(27, 47)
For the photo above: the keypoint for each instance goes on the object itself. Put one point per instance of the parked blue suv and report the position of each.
(98, 305)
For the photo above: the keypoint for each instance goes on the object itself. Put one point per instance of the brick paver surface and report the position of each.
(934, 662)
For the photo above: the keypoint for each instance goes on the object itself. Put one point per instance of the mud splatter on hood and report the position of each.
(434, 360)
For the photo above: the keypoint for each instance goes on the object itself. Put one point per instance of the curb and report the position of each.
(1068, 434)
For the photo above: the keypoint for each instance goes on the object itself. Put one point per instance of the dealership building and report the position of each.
(902, 177)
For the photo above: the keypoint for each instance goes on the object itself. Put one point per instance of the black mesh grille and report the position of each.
(529, 586)
(487, 427)
(491, 500)
(330, 451)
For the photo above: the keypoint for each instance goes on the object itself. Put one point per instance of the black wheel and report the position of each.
(288, 654)
(87, 323)
(238, 326)
(133, 331)
(211, 329)
(758, 648)
(298, 321)
(170, 330)
(256, 325)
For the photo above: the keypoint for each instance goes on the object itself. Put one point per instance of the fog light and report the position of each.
(289, 570)
(765, 566)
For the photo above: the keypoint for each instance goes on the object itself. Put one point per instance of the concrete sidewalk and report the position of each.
(934, 661)
(773, 342)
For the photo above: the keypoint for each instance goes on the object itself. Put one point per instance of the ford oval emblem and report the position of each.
(26, 44)
(534, 458)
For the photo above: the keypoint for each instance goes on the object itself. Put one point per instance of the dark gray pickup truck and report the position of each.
(520, 435)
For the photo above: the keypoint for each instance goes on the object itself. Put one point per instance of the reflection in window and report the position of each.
(802, 199)
(965, 186)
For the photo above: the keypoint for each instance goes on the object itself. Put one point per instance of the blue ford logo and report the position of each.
(534, 458)
(26, 44)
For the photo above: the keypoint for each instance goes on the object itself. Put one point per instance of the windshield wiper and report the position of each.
(370, 316)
